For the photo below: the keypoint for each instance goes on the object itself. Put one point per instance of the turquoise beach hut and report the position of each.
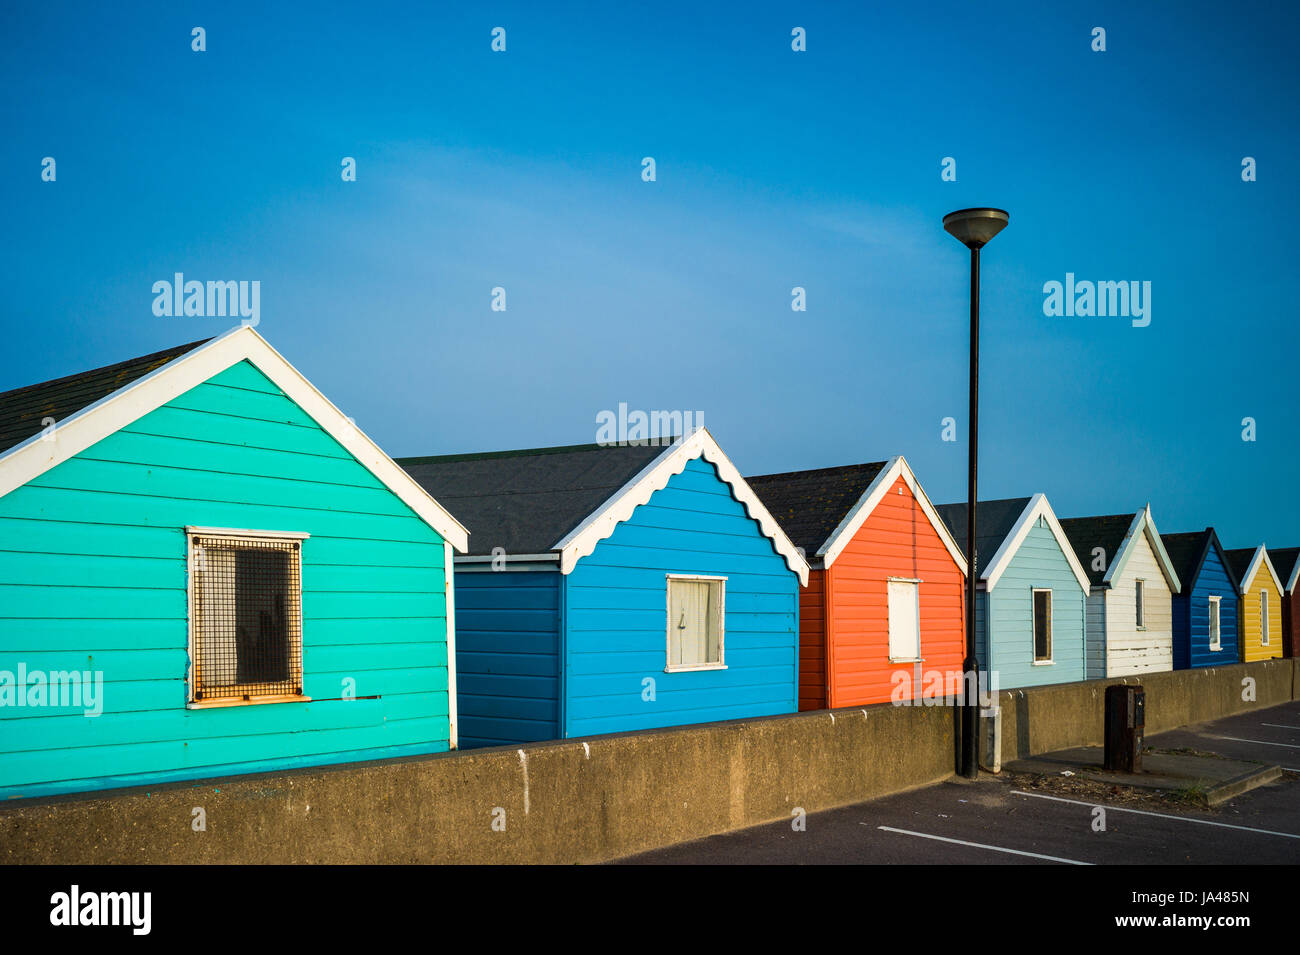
(206, 569)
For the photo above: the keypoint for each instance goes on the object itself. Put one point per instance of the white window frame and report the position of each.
(192, 532)
(1140, 602)
(1263, 617)
(916, 581)
(1215, 622)
(721, 664)
(1050, 659)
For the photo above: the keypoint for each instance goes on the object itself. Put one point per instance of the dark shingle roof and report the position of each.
(22, 409)
(1239, 559)
(526, 501)
(1284, 561)
(809, 505)
(1107, 532)
(1185, 552)
(993, 522)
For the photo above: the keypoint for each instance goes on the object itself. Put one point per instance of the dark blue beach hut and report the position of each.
(1205, 611)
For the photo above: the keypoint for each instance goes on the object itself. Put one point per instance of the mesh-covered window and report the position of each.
(247, 600)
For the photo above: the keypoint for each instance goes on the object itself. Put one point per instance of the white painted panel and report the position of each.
(904, 620)
(1131, 650)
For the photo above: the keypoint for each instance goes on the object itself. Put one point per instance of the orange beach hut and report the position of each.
(884, 604)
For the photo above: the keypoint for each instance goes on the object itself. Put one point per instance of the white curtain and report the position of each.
(694, 622)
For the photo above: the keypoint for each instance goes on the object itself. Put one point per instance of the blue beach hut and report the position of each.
(1031, 601)
(614, 588)
(1205, 610)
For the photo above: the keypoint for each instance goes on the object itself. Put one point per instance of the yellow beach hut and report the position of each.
(1260, 623)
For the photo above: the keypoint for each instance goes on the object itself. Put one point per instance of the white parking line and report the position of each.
(1158, 815)
(1280, 726)
(1261, 742)
(980, 845)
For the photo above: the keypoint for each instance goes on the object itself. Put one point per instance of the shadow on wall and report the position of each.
(1043, 719)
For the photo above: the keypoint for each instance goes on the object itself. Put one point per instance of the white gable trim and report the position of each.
(1143, 522)
(1294, 578)
(582, 540)
(894, 469)
(1261, 559)
(449, 598)
(1036, 508)
(1272, 571)
(113, 412)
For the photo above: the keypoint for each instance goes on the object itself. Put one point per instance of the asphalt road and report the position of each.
(991, 821)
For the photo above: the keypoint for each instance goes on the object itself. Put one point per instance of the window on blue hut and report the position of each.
(696, 616)
(1215, 640)
(245, 616)
(1042, 625)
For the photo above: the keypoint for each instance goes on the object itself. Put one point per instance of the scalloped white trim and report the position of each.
(113, 412)
(582, 540)
(895, 468)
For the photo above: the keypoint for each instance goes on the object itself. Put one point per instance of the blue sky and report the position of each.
(775, 169)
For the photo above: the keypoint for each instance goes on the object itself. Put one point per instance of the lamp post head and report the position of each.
(973, 228)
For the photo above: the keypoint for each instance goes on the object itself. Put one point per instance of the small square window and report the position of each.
(696, 613)
(245, 616)
(1042, 626)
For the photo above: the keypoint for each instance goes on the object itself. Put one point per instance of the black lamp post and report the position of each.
(973, 228)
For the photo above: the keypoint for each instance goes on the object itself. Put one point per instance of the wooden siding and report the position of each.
(507, 656)
(1252, 638)
(1191, 617)
(1128, 649)
(896, 540)
(93, 577)
(1289, 624)
(812, 642)
(982, 631)
(1096, 639)
(615, 628)
(1039, 562)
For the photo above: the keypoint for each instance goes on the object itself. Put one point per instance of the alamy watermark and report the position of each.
(196, 299)
(644, 428)
(74, 689)
(936, 687)
(1123, 299)
(77, 907)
